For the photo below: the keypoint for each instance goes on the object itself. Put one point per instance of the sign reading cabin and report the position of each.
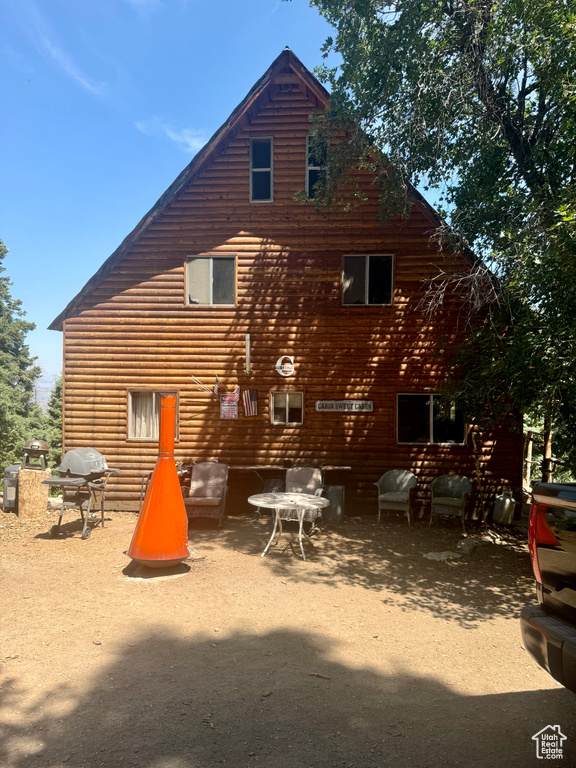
(345, 406)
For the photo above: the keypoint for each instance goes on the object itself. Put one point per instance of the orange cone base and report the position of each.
(159, 563)
(160, 539)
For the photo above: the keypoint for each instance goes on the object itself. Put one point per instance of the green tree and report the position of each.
(54, 424)
(476, 100)
(20, 418)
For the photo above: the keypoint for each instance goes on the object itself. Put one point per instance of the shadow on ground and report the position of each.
(495, 581)
(278, 700)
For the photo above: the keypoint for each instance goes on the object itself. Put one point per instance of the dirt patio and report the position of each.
(365, 655)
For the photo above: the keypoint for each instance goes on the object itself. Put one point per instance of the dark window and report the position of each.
(261, 170)
(429, 419)
(211, 280)
(367, 280)
(315, 164)
(287, 407)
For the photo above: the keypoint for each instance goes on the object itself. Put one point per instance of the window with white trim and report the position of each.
(315, 164)
(287, 407)
(367, 280)
(144, 414)
(261, 170)
(429, 419)
(211, 280)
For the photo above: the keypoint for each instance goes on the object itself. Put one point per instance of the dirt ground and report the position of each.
(366, 654)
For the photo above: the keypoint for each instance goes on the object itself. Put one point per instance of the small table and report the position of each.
(290, 506)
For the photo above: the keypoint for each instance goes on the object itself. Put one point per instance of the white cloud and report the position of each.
(48, 44)
(187, 139)
(64, 61)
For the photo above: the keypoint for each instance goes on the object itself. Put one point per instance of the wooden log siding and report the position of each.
(135, 330)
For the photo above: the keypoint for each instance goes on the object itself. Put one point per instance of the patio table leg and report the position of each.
(300, 513)
(277, 523)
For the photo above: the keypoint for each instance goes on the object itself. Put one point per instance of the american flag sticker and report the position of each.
(250, 398)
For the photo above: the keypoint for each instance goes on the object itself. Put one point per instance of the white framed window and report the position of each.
(367, 280)
(211, 280)
(315, 165)
(144, 414)
(431, 419)
(261, 170)
(287, 407)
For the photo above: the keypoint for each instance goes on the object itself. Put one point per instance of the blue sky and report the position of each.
(104, 103)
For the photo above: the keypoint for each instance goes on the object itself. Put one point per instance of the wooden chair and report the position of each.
(449, 496)
(206, 496)
(395, 491)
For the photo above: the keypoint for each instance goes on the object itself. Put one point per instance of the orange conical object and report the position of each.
(161, 536)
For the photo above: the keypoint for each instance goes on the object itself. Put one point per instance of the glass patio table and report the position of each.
(290, 506)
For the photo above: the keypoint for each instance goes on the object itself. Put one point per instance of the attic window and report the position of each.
(315, 164)
(261, 184)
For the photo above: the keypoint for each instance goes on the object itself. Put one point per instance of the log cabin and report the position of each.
(306, 321)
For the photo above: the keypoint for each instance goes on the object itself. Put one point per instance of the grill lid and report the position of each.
(83, 462)
(36, 448)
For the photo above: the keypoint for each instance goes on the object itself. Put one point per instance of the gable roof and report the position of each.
(286, 63)
(252, 103)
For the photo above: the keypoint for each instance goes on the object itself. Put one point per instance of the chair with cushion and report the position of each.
(206, 496)
(449, 496)
(304, 480)
(395, 491)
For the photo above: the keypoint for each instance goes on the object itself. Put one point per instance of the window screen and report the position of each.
(211, 280)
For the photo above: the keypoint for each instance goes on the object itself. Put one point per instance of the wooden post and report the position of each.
(528, 470)
(476, 452)
(546, 461)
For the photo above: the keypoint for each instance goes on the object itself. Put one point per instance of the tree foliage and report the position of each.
(20, 418)
(54, 424)
(476, 100)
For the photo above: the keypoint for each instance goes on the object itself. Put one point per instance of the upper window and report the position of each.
(261, 172)
(287, 407)
(367, 279)
(144, 414)
(429, 419)
(211, 280)
(315, 164)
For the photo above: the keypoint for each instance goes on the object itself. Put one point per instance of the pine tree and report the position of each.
(54, 425)
(20, 418)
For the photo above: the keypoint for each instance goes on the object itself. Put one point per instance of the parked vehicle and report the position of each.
(549, 628)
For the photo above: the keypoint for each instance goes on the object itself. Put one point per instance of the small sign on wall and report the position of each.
(345, 406)
(285, 365)
(229, 406)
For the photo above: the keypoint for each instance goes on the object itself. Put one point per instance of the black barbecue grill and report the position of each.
(84, 475)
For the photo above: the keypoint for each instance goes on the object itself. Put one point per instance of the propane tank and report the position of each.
(504, 507)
